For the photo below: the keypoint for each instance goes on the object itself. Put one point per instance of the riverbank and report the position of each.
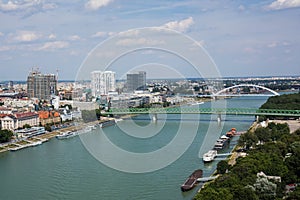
(49, 135)
(292, 124)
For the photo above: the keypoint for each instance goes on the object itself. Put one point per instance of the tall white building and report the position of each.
(103, 82)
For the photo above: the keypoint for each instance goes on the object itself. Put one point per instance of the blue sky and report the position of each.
(244, 38)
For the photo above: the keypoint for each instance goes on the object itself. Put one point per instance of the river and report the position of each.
(64, 169)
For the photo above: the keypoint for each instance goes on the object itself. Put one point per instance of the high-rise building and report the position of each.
(103, 82)
(41, 86)
(136, 81)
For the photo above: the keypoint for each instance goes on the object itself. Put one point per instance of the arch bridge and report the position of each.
(223, 91)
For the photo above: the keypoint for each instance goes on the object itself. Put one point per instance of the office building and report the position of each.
(103, 82)
(41, 86)
(136, 81)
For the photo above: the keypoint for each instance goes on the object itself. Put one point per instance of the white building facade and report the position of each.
(103, 82)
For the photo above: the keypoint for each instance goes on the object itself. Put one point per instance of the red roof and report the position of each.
(27, 114)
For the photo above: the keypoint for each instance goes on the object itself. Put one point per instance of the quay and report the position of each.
(205, 179)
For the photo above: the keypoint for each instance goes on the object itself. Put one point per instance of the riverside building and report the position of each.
(103, 82)
(136, 81)
(41, 86)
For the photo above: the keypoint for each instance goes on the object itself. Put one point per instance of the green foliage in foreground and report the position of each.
(5, 135)
(285, 101)
(277, 153)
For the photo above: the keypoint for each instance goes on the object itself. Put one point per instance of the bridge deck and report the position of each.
(222, 111)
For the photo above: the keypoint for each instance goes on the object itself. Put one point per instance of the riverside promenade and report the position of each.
(48, 135)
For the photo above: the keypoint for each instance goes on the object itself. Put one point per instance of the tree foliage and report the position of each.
(5, 135)
(285, 101)
(277, 155)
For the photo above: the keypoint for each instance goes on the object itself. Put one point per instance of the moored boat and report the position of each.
(66, 135)
(222, 142)
(231, 133)
(191, 181)
(107, 123)
(209, 156)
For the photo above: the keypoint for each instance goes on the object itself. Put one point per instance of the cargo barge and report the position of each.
(192, 180)
(107, 123)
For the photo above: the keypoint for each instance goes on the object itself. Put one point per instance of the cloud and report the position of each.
(26, 36)
(96, 4)
(11, 6)
(100, 34)
(54, 45)
(272, 44)
(139, 41)
(130, 33)
(7, 48)
(74, 37)
(181, 26)
(283, 4)
(1, 34)
(52, 36)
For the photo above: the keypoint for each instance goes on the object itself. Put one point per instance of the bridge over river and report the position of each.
(195, 110)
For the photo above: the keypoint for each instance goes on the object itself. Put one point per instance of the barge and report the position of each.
(191, 181)
(107, 123)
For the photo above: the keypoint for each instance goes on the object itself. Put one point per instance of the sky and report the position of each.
(242, 38)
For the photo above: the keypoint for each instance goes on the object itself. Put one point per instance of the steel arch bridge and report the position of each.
(219, 93)
(218, 111)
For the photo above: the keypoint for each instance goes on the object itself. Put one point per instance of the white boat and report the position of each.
(209, 156)
(118, 120)
(66, 135)
(35, 143)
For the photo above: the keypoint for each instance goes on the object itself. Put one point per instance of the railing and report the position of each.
(223, 111)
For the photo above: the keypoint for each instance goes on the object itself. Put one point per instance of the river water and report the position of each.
(64, 169)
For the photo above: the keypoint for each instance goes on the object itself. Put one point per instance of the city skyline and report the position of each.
(257, 38)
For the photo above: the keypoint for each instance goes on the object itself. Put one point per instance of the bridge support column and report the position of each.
(154, 117)
(219, 119)
(257, 118)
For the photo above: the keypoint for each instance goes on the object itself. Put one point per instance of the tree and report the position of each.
(5, 135)
(222, 166)
(26, 126)
(214, 194)
(48, 127)
(263, 134)
(244, 193)
(295, 194)
(248, 140)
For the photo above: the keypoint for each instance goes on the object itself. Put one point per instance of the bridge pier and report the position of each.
(219, 119)
(154, 117)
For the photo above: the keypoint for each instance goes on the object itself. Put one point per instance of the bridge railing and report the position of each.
(225, 111)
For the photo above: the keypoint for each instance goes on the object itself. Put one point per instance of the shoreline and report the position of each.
(293, 125)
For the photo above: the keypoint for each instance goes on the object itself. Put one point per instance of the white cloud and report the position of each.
(241, 8)
(52, 36)
(96, 4)
(26, 36)
(74, 37)
(25, 5)
(130, 33)
(1, 34)
(283, 4)
(100, 34)
(103, 34)
(7, 48)
(181, 26)
(139, 41)
(54, 45)
(272, 44)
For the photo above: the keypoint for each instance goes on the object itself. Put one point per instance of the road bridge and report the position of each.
(195, 110)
